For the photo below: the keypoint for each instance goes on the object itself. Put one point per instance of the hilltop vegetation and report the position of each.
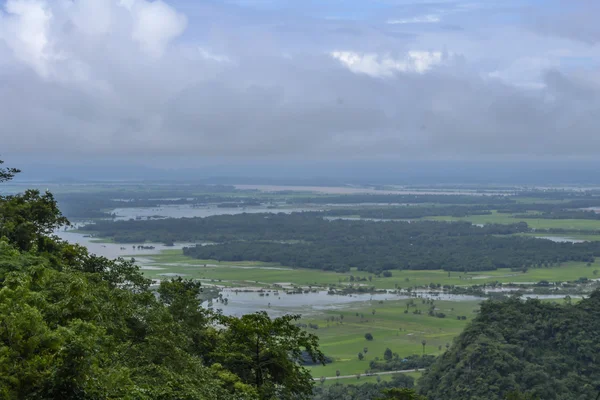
(77, 326)
(543, 350)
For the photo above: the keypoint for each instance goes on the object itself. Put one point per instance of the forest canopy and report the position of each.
(542, 350)
(308, 240)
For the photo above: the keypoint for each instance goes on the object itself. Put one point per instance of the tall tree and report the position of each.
(267, 353)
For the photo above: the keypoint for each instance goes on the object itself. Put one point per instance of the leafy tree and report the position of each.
(265, 353)
(387, 354)
(401, 394)
(28, 219)
(368, 336)
(521, 396)
(361, 356)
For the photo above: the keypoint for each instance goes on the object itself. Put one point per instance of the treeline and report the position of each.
(96, 205)
(546, 351)
(572, 205)
(569, 210)
(396, 363)
(410, 212)
(563, 215)
(404, 199)
(559, 194)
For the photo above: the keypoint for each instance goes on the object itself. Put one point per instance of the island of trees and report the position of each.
(308, 240)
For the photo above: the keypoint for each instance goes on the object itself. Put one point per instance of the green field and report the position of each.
(343, 339)
(535, 223)
(391, 328)
(250, 273)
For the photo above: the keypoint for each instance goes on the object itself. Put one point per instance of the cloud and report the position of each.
(424, 19)
(135, 77)
(25, 29)
(155, 24)
(378, 66)
(573, 19)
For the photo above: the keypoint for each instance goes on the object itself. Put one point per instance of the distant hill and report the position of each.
(547, 351)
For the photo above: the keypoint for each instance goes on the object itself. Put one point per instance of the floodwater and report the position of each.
(359, 190)
(366, 219)
(114, 250)
(189, 211)
(279, 303)
(561, 239)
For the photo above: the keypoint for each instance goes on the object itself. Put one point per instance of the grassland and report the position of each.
(251, 273)
(535, 223)
(391, 328)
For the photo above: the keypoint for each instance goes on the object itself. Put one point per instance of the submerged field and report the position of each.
(251, 273)
(535, 223)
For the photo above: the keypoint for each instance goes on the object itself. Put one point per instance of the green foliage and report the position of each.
(401, 394)
(527, 349)
(78, 326)
(307, 240)
(387, 354)
(28, 219)
(395, 363)
(366, 391)
(266, 352)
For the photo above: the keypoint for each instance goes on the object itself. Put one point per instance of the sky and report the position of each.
(189, 80)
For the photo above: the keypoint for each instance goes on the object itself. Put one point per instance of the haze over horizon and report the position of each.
(186, 83)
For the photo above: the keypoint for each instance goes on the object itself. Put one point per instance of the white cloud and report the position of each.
(386, 66)
(209, 55)
(93, 17)
(424, 19)
(155, 24)
(24, 27)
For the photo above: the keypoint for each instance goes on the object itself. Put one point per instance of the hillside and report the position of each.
(547, 351)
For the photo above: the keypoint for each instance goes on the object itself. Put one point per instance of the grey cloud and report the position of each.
(265, 103)
(573, 19)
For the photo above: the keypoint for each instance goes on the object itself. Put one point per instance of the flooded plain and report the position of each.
(190, 211)
(114, 250)
(561, 239)
(275, 303)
